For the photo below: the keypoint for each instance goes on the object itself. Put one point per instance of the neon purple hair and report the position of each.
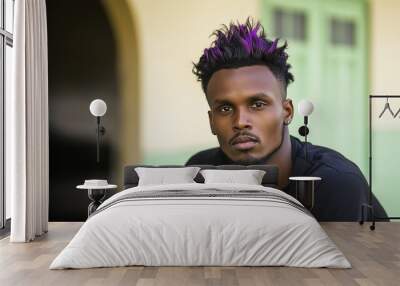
(243, 45)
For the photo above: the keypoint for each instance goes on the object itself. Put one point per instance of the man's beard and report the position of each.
(262, 160)
(253, 161)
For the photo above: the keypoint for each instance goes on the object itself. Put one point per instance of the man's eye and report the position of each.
(225, 108)
(258, 104)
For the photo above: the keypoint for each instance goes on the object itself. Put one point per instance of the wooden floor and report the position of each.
(374, 255)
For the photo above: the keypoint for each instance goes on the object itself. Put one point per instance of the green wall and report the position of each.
(332, 76)
(385, 176)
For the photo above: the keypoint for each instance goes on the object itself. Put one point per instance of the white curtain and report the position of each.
(27, 140)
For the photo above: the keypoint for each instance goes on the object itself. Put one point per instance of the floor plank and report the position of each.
(374, 255)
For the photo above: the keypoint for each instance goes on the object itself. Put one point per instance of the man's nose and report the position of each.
(241, 120)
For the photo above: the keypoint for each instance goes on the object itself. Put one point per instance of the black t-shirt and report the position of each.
(340, 193)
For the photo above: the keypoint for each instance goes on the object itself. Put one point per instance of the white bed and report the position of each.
(222, 225)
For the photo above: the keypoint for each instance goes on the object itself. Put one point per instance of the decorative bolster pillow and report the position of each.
(162, 176)
(248, 177)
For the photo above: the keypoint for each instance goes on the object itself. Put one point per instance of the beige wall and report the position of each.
(385, 46)
(171, 35)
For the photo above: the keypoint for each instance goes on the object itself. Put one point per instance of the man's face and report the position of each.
(247, 112)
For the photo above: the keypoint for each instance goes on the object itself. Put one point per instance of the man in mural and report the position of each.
(244, 76)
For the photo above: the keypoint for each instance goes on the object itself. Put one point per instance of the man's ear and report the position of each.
(211, 122)
(289, 110)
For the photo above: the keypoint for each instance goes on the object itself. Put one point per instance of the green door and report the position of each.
(327, 50)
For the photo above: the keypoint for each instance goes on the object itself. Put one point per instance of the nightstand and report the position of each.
(97, 190)
(305, 190)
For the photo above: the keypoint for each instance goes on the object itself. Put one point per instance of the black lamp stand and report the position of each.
(100, 130)
(303, 131)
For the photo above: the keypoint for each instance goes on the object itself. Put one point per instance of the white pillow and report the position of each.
(249, 177)
(162, 176)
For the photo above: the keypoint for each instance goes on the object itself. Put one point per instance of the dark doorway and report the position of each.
(82, 67)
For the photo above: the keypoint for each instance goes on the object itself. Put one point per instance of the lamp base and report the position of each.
(303, 130)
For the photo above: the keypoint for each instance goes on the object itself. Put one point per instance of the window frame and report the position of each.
(6, 39)
(338, 32)
(285, 26)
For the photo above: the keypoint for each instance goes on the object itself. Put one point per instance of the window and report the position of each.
(342, 32)
(6, 63)
(290, 24)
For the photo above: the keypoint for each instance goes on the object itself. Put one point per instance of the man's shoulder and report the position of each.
(338, 178)
(328, 159)
(343, 187)
(211, 156)
(338, 169)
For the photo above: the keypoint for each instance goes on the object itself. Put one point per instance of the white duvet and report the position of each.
(182, 231)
